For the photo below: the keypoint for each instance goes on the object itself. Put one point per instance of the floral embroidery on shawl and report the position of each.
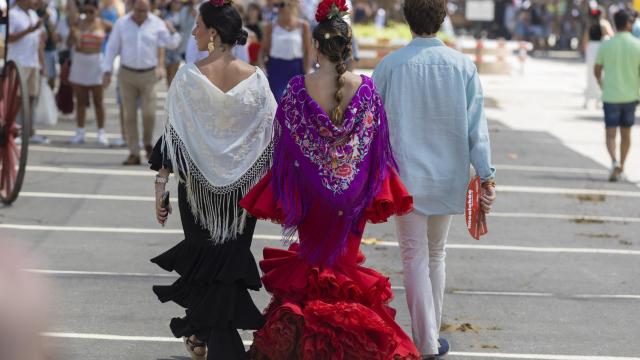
(336, 151)
(323, 169)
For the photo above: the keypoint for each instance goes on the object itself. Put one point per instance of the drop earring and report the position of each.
(212, 45)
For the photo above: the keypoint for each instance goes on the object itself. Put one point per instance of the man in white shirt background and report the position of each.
(136, 38)
(26, 48)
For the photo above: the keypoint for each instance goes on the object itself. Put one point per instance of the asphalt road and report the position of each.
(556, 278)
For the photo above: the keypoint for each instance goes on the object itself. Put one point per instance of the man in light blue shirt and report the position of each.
(434, 103)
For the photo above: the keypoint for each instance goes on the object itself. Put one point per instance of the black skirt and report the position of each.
(214, 281)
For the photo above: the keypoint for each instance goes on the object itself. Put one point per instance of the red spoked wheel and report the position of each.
(15, 131)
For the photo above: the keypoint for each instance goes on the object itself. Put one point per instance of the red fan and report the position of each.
(475, 216)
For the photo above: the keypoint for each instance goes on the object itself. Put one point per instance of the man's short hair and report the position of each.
(622, 18)
(425, 16)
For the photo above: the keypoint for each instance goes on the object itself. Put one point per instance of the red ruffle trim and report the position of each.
(392, 199)
(327, 313)
(332, 313)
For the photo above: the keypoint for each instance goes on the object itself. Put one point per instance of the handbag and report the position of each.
(64, 96)
(474, 215)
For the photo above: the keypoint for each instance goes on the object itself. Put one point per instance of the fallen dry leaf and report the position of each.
(591, 198)
(370, 241)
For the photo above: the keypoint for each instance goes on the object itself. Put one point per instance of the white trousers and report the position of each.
(422, 244)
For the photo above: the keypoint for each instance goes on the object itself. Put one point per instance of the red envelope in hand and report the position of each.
(475, 216)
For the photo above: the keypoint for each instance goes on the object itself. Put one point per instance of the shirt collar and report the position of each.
(426, 42)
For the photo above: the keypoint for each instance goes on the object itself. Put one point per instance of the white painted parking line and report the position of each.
(492, 355)
(96, 273)
(502, 293)
(566, 191)
(160, 231)
(117, 230)
(31, 194)
(542, 294)
(394, 288)
(503, 188)
(496, 355)
(78, 150)
(549, 169)
(577, 218)
(53, 132)
(66, 335)
(544, 249)
(88, 171)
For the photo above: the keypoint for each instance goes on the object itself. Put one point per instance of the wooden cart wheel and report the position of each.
(15, 131)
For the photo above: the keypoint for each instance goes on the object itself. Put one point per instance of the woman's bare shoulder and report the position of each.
(352, 81)
(242, 68)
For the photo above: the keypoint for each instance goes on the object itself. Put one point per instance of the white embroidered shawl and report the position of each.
(219, 144)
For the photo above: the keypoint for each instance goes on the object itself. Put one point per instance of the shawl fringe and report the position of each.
(214, 207)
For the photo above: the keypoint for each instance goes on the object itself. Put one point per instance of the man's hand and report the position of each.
(170, 26)
(106, 80)
(488, 197)
(160, 72)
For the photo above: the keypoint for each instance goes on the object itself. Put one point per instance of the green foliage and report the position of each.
(393, 31)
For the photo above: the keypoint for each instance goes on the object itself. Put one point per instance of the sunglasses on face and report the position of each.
(280, 5)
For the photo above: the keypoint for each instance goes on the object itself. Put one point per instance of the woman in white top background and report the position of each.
(286, 46)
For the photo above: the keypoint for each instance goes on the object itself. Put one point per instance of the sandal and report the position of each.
(196, 348)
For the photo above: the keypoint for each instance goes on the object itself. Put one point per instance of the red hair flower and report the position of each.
(330, 9)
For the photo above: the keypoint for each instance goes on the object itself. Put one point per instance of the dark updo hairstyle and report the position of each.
(334, 39)
(82, 4)
(227, 22)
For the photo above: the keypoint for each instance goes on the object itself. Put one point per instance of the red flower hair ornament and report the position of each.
(219, 3)
(331, 9)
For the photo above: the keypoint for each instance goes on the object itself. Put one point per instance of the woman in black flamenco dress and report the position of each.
(217, 143)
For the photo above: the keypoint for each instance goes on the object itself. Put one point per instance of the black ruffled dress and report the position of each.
(214, 281)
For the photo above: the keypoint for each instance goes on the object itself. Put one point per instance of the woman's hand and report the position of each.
(162, 214)
(487, 198)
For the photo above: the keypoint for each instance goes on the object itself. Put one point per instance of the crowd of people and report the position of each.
(74, 47)
(322, 153)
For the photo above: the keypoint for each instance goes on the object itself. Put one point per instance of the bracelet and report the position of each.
(489, 183)
(162, 179)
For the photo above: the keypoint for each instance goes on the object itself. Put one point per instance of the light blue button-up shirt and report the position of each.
(434, 103)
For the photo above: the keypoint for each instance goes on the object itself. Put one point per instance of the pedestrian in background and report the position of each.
(110, 10)
(286, 47)
(86, 39)
(434, 104)
(172, 13)
(599, 30)
(136, 37)
(49, 16)
(253, 22)
(26, 47)
(619, 60)
(635, 30)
